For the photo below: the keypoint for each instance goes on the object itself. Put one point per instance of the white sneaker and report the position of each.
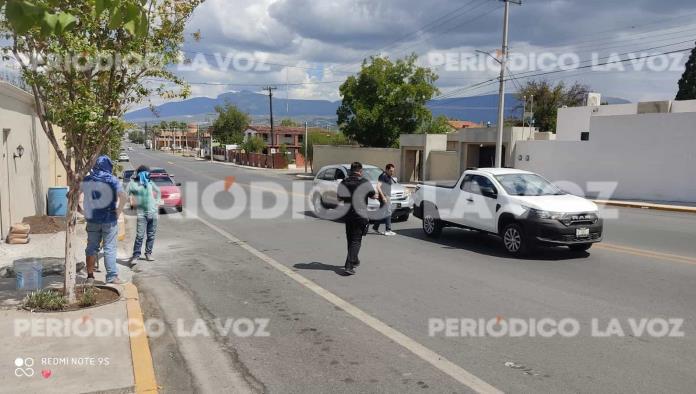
(390, 233)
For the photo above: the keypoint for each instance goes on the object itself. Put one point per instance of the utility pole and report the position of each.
(306, 149)
(531, 118)
(270, 102)
(501, 98)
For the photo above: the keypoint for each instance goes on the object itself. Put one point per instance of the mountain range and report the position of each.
(475, 108)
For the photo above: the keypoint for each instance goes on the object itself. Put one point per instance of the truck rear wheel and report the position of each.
(432, 225)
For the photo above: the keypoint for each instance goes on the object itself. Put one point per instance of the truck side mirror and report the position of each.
(489, 192)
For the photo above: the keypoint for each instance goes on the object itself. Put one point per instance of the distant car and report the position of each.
(123, 157)
(171, 193)
(328, 178)
(130, 149)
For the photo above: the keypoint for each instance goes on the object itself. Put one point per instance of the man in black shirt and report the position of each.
(355, 190)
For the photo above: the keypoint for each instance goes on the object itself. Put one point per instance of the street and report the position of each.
(374, 332)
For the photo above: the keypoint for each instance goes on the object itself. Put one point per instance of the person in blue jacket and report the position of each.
(103, 203)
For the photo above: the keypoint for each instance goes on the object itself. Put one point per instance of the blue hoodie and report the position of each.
(101, 189)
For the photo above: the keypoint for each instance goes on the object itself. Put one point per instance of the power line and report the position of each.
(492, 80)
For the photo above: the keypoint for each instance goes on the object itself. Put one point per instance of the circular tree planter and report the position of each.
(104, 295)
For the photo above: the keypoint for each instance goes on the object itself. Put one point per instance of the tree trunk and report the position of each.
(70, 238)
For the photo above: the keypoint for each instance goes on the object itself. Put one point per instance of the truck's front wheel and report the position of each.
(515, 240)
(432, 225)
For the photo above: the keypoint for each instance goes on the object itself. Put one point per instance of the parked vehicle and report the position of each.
(521, 207)
(123, 157)
(329, 177)
(171, 193)
(160, 171)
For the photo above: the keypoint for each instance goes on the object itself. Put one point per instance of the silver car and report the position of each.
(329, 177)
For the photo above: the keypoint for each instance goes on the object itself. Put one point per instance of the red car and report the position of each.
(171, 193)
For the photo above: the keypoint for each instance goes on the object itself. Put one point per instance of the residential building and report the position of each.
(28, 162)
(291, 137)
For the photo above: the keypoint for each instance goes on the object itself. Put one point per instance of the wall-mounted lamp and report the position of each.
(20, 152)
(526, 158)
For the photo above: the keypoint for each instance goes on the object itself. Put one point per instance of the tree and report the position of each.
(385, 100)
(687, 83)
(438, 125)
(87, 62)
(287, 122)
(254, 144)
(548, 98)
(230, 124)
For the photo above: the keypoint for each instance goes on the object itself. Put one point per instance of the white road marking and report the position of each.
(458, 373)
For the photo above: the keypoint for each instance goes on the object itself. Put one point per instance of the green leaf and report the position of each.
(100, 6)
(18, 19)
(143, 25)
(116, 19)
(65, 22)
(48, 24)
(130, 26)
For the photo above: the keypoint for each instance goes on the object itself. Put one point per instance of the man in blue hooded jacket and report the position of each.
(104, 200)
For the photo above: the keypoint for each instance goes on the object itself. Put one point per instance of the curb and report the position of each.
(641, 205)
(143, 367)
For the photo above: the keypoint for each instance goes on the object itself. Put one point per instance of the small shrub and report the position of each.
(45, 299)
(88, 297)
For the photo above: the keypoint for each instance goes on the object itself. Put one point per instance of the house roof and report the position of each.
(462, 124)
(277, 129)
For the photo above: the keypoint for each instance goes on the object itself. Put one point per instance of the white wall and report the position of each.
(571, 122)
(684, 106)
(650, 156)
(23, 181)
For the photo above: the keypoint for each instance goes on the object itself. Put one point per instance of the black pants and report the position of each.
(355, 229)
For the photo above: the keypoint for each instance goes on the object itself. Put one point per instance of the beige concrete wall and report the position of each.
(443, 166)
(326, 155)
(24, 181)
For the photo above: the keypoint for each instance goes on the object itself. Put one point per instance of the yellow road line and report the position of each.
(143, 368)
(647, 253)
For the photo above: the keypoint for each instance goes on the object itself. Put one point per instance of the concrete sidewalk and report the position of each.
(661, 206)
(101, 349)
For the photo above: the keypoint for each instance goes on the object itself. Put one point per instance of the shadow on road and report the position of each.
(488, 245)
(315, 266)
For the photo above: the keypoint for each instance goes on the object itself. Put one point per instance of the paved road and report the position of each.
(378, 341)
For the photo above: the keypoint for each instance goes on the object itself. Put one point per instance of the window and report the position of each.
(585, 136)
(340, 175)
(466, 183)
(528, 185)
(329, 175)
(478, 183)
(300, 139)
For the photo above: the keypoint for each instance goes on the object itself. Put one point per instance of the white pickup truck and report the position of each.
(521, 207)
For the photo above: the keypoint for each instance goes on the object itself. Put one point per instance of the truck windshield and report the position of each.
(527, 185)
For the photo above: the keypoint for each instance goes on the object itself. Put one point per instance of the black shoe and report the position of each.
(349, 271)
(356, 265)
